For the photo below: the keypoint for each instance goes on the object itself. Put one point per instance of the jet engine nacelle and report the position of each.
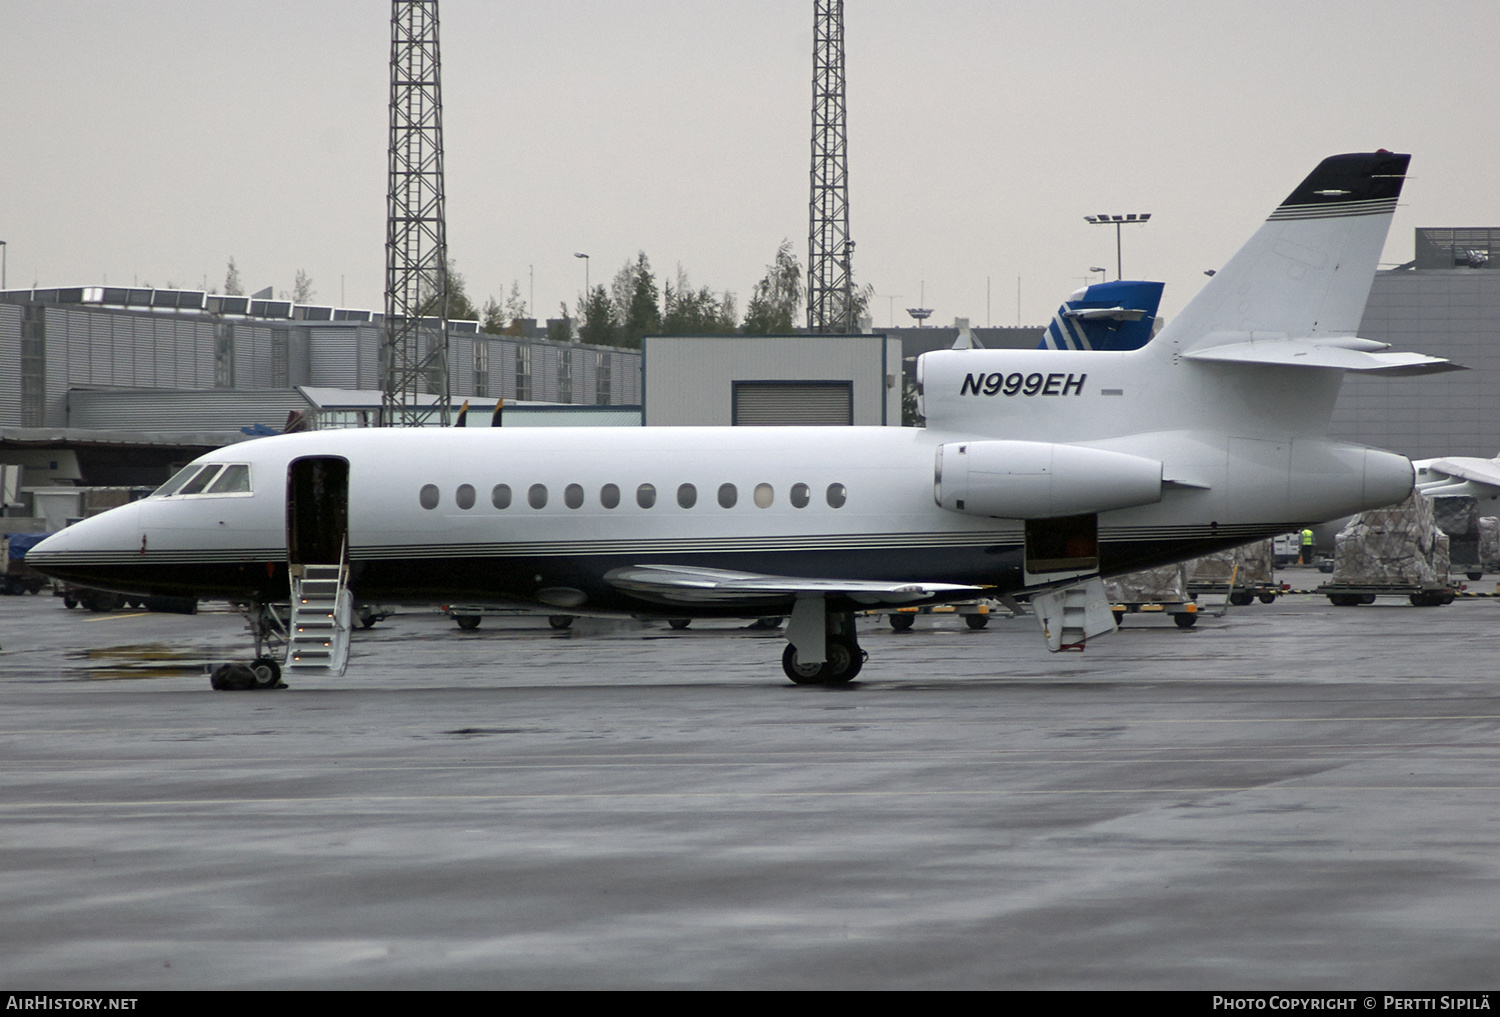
(1041, 480)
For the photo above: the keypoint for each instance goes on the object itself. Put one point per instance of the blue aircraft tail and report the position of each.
(1106, 316)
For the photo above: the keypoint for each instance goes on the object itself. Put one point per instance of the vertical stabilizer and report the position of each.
(1306, 273)
(1105, 316)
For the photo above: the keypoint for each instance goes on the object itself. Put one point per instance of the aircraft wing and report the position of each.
(680, 584)
(1478, 471)
(1345, 354)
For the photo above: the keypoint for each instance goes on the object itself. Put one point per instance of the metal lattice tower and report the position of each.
(830, 279)
(414, 357)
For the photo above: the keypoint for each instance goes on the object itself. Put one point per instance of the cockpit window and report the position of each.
(201, 481)
(179, 478)
(206, 479)
(234, 480)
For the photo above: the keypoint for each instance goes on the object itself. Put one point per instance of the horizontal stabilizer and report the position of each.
(1116, 313)
(1343, 353)
(678, 584)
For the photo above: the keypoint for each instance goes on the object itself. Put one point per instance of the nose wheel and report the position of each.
(268, 630)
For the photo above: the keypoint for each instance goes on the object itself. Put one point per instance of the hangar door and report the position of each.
(788, 403)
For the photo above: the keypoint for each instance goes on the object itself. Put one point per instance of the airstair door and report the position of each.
(317, 538)
(317, 510)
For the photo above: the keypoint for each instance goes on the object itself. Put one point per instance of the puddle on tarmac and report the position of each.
(146, 660)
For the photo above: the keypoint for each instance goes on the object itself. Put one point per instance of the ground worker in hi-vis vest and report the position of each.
(1307, 538)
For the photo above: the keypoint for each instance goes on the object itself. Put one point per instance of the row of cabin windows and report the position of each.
(537, 495)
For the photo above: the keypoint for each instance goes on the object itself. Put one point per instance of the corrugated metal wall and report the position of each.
(56, 387)
(368, 346)
(333, 357)
(147, 410)
(10, 365)
(461, 365)
(108, 347)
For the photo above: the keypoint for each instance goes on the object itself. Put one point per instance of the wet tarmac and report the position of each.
(1291, 796)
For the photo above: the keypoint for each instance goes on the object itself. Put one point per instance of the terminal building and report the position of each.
(57, 343)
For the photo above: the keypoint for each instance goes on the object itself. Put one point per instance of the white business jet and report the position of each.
(1039, 472)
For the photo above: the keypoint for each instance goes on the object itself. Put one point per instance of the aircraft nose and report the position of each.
(110, 538)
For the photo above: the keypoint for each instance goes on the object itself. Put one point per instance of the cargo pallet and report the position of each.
(1354, 594)
(1184, 613)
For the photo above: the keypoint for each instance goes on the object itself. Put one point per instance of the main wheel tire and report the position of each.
(679, 623)
(1241, 598)
(366, 617)
(847, 672)
(467, 622)
(267, 673)
(101, 602)
(903, 622)
(1185, 621)
(797, 671)
(560, 621)
(844, 662)
(976, 621)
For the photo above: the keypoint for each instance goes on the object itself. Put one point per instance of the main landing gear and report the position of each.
(268, 629)
(821, 645)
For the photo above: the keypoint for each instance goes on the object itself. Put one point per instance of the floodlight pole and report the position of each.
(1133, 219)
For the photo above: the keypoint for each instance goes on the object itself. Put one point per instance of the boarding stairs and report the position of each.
(1072, 615)
(321, 619)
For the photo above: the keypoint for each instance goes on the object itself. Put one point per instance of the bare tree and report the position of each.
(302, 289)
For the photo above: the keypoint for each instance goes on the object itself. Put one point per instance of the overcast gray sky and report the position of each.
(149, 141)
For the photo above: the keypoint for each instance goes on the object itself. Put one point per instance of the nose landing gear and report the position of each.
(268, 629)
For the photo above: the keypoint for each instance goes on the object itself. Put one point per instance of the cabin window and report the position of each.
(801, 495)
(536, 496)
(429, 496)
(687, 496)
(464, 496)
(234, 480)
(573, 496)
(764, 495)
(645, 495)
(837, 495)
(500, 496)
(728, 496)
(609, 496)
